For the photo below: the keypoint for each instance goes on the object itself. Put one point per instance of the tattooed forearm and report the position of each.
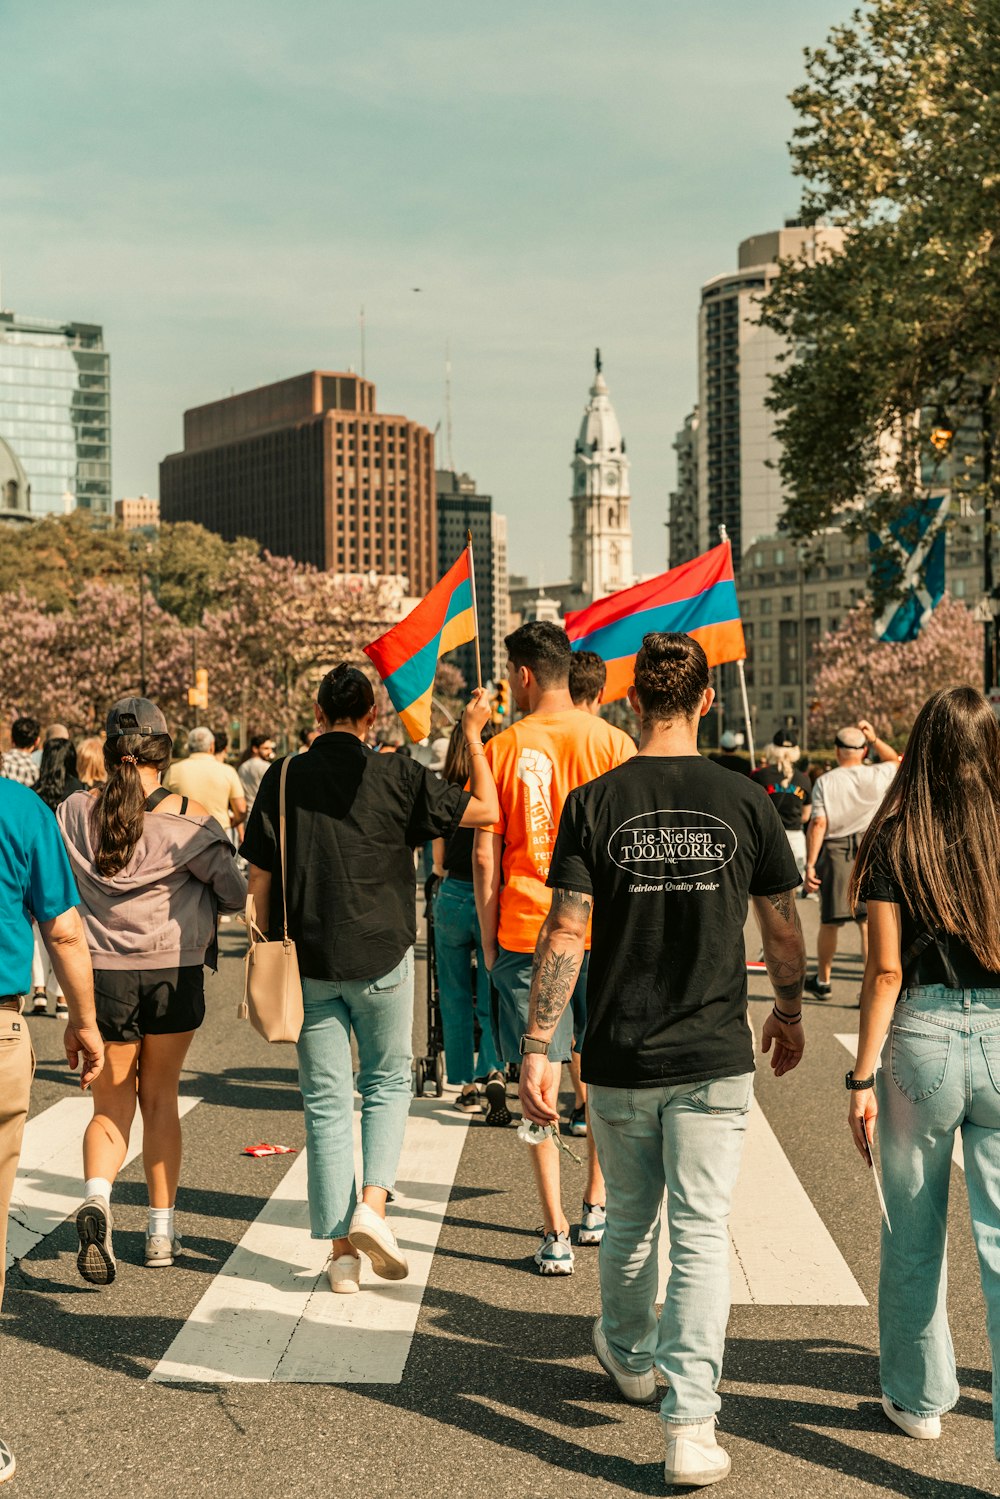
(556, 981)
(558, 958)
(784, 949)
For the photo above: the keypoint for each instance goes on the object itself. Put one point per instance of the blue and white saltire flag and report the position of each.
(908, 562)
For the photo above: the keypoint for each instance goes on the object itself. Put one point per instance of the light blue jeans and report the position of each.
(380, 1012)
(685, 1139)
(941, 1074)
(456, 940)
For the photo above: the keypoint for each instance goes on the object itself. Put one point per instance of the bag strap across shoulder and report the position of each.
(282, 844)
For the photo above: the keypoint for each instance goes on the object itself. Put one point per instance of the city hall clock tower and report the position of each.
(601, 539)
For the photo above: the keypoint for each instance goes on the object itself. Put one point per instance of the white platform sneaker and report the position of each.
(372, 1236)
(924, 1428)
(694, 1457)
(344, 1274)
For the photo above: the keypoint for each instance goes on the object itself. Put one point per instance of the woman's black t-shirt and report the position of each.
(929, 968)
(458, 855)
(788, 797)
(353, 820)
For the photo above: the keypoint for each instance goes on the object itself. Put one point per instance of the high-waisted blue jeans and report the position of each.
(456, 940)
(941, 1075)
(380, 1012)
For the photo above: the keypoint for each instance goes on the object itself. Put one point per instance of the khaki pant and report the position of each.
(17, 1065)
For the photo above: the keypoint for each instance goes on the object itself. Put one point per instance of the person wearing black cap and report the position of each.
(844, 801)
(153, 870)
(789, 790)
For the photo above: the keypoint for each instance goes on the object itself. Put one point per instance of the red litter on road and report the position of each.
(262, 1149)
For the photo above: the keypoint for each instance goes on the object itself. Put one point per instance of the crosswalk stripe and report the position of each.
(850, 1043)
(269, 1313)
(781, 1252)
(49, 1180)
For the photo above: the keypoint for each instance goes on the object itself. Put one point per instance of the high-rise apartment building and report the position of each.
(501, 597)
(55, 418)
(683, 515)
(739, 485)
(461, 510)
(311, 470)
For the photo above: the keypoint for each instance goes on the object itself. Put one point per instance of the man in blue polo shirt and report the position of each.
(35, 884)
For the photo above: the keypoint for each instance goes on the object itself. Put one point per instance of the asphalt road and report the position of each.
(500, 1395)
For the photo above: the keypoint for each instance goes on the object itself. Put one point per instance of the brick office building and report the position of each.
(311, 470)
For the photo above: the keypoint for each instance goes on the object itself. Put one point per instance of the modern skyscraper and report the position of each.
(461, 510)
(684, 499)
(739, 485)
(55, 418)
(311, 470)
(601, 539)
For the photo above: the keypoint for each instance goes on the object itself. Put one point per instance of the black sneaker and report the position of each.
(578, 1121)
(39, 1002)
(814, 986)
(497, 1112)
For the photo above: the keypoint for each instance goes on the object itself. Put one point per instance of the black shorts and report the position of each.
(150, 1002)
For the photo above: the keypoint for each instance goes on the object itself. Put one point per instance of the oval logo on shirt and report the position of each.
(668, 844)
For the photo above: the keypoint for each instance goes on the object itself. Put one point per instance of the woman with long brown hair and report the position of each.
(153, 870)
(929, 869)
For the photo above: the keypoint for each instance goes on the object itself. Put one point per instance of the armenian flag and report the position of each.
(698, 599)
(406, 656)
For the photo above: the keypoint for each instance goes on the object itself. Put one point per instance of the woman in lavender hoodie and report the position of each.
(153, 870)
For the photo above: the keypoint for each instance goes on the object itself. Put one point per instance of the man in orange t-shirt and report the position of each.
(536, 763)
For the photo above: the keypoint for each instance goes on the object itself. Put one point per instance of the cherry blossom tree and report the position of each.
(858, 676)
(71, 664)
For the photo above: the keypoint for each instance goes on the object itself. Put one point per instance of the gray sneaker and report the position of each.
(161, 1251)
(96, 1260)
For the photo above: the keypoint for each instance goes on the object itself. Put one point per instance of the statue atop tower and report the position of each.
(601, 538)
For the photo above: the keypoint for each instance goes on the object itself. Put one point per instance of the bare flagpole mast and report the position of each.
(724, 538)
(475, 608)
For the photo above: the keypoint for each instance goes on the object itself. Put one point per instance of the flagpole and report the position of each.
(475, 610)
(724, 537)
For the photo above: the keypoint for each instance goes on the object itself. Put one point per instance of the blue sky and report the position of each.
(223, 185)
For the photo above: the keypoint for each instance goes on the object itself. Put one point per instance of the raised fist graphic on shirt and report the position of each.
(534, 769)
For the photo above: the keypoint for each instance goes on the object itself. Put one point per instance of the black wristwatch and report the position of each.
(858, 1084)
(531, 1045)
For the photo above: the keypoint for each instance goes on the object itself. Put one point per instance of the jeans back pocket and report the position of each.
(394, 979)
(918, 1060)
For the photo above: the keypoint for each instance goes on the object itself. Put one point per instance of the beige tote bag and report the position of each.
(272, 991)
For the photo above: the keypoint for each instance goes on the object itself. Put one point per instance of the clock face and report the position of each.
(611, 478)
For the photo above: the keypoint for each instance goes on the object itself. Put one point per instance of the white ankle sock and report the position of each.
(97, 1186)
(161, 1221)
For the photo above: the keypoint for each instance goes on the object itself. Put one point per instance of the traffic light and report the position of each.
(198, 694)
(503, 699)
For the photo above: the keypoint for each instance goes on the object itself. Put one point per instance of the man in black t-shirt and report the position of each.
(665, 851)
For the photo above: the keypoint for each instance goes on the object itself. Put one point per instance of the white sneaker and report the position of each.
(694, 1457)
(640, 1389)
(372, 1236)
(924, 1428)
(8, 1467)
(344, 1274)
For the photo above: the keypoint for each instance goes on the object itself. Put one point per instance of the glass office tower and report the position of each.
(55, 418)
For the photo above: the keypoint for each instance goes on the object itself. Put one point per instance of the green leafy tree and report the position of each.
(899, 141)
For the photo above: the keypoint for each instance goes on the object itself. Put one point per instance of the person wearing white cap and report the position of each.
(844, 801)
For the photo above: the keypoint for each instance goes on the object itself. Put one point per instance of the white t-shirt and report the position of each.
(849, 796)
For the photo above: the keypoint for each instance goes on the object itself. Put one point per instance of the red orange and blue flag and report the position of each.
(698, 599)
(406, 656)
